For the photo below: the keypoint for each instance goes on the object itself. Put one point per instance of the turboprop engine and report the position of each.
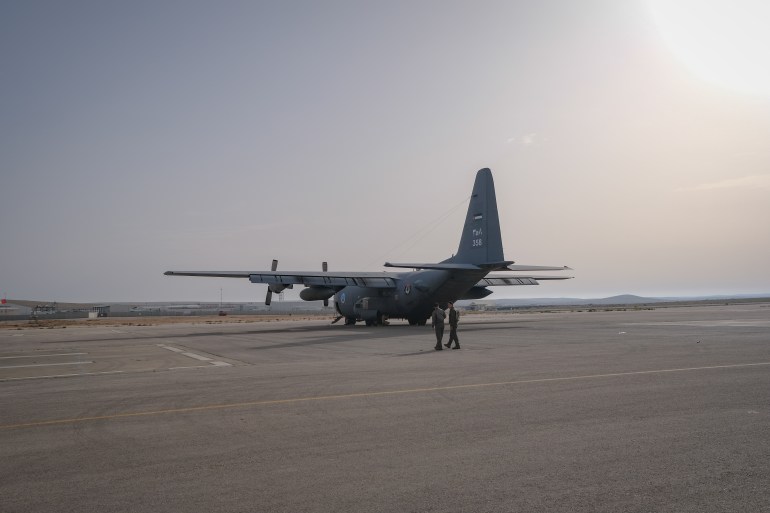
(277, 288)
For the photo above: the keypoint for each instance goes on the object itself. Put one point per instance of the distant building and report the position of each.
(101, 310)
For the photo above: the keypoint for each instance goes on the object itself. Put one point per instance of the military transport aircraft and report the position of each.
(374, 296)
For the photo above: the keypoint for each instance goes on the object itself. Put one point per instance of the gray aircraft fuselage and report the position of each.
(412, 298)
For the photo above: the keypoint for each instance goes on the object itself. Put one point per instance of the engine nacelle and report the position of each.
(316, 293)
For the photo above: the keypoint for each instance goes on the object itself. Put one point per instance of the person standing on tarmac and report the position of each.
(454, 318)
(437, 321)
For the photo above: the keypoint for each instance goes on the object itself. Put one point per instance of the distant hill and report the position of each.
(623, 299)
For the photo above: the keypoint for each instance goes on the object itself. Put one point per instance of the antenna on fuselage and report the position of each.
(422, 232)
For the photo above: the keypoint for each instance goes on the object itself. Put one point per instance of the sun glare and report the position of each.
(724, 42)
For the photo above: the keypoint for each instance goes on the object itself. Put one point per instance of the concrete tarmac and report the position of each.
(664, 410)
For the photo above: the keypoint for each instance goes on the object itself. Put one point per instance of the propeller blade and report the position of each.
(269, 295)
(325, 268)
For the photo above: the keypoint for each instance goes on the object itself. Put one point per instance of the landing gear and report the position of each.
(417, 321)
(377, 321)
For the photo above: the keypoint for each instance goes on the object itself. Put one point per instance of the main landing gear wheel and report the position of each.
(414, 321)
(377, 321)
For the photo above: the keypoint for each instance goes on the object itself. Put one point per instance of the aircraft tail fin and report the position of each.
(481, 242)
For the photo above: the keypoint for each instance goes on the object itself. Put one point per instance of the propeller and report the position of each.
(325, 268)
(269, 296)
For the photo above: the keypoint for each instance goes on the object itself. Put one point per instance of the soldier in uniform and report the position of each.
(437, 321)
(454, 318)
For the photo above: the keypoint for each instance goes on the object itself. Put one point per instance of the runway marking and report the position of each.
(176, 350)
(715, 323)
(40, 365)
(211, 363)
(195, 356)
(133, 371)
(366, 394)
(40, 355)
(25, 378)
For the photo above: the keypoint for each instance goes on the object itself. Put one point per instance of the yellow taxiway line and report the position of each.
(211, 407)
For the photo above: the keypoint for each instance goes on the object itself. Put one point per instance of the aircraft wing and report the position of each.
(308, 279)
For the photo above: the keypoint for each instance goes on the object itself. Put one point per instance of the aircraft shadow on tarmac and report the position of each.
(382, 331)
(328, 335)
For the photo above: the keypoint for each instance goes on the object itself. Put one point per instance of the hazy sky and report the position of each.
(628, 140)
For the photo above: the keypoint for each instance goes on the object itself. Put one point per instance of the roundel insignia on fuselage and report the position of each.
(342, 297)
(407, 288)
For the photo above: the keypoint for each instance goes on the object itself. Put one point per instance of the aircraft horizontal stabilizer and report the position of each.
(528, 268)
(491, 281)
(212, 274)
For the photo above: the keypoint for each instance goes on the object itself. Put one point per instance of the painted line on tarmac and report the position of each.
(25, 378)
(195, 356)
(176, 350)
(40, 365)
(40, 355)
(133, 371)
(212, 407)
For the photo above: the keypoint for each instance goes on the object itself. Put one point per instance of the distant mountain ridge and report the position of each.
(623, 299)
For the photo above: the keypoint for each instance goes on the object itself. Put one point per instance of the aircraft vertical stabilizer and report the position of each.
(481, 242)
